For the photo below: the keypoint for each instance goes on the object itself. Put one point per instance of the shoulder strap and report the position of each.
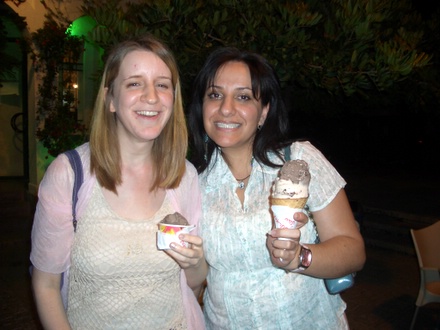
(287, 153)
(75, 161)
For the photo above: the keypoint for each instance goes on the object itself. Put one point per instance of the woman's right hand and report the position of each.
(283, 244)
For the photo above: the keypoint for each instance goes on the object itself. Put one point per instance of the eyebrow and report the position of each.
(239, 88)
(140, 76)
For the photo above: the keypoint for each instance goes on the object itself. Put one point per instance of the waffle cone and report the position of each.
(294, 203)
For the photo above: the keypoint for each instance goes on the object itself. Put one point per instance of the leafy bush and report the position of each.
(58, 130)
(343, 47)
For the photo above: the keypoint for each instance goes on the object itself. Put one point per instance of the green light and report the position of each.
(81, 26)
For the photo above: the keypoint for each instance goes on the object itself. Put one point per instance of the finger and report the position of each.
(284, 244)
(284, 259)
(300, 217)
(192, 250)
(186, 251)
(185, 257)
(195, 241)
(284, 253)
(294, 234)
(285, 262)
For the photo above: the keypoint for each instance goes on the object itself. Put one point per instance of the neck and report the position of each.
(135, 154)
(239, 163)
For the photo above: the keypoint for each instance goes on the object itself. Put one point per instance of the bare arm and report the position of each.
(341, 250)
(47, 295)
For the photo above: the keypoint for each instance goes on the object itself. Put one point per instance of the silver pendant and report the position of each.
(241, 185)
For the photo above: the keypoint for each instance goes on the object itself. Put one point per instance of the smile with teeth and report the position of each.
(147, 113)
(227, 125)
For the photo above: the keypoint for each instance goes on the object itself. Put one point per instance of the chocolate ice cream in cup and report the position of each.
(169, 230)
(290, 192)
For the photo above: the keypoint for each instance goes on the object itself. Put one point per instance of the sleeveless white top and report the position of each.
(118, 278)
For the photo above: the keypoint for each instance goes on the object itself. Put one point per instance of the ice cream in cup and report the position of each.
(290, 192)
(169, 230)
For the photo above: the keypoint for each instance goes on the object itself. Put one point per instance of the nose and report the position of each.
(149, 95)
(227, 107)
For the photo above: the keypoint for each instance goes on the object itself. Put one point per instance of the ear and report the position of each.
(264, 115)
(112, 106)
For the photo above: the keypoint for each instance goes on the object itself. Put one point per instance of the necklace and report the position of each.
(241, 183)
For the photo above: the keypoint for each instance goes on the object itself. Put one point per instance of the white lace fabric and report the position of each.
(118, 278)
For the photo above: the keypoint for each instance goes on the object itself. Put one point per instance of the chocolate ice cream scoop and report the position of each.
(292, 181)
(175, 219)
(170, 227)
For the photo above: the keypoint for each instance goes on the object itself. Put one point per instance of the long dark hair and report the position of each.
(272, 136)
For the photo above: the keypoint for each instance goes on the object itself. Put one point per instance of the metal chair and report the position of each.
(427, 245)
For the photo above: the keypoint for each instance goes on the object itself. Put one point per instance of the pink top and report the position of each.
(52, 232)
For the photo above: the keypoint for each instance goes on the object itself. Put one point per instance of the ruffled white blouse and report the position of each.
(245, 291)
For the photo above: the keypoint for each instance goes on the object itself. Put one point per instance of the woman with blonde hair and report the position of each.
(135, 173)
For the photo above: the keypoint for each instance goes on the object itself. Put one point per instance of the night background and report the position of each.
(361, 83)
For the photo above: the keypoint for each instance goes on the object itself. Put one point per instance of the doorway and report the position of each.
(13, 103)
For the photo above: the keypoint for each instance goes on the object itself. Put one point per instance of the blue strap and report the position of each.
(75, 162)
(287, 153)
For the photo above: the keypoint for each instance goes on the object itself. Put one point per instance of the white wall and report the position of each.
(34, 10)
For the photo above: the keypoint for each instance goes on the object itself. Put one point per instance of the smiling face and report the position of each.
(231, 113)
(143, 96)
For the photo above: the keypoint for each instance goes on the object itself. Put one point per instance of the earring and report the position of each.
(259, 127)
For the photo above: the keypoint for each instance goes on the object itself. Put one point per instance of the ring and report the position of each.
(284, 262)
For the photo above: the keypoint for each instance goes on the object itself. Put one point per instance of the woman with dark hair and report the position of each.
(260, 277)
(135, 173)
(271, 137)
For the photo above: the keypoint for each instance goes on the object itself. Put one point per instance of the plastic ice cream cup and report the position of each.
(169, 233)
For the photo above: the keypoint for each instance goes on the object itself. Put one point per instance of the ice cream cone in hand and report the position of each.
(290, 192)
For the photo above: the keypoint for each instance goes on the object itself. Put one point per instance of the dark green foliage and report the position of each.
(54, 46)
(345, 48)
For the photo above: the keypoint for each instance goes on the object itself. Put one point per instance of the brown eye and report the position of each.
(244, 97)
(214, 95)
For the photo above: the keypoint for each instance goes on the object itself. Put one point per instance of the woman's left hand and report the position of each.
(190, 256)
(191, 259)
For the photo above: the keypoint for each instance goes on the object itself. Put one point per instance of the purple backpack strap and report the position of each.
(75, 162)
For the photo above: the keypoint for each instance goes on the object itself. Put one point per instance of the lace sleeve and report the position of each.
(52, 231)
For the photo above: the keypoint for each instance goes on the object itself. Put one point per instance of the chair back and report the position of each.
(427, 245)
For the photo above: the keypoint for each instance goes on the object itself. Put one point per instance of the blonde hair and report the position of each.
(169, 148)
